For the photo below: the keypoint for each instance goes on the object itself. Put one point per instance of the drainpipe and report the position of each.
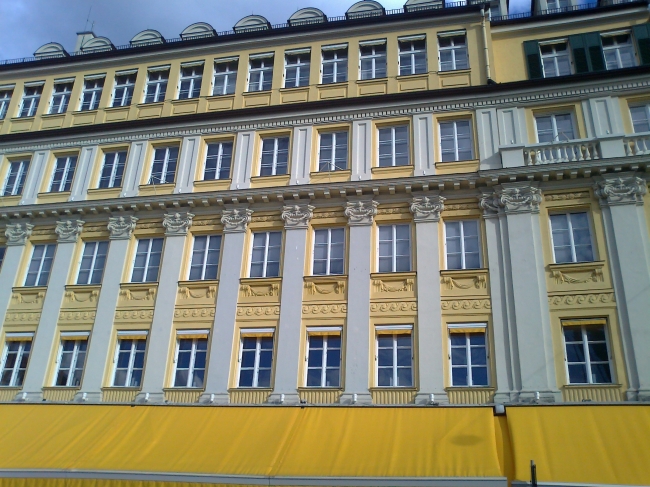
(485, 45)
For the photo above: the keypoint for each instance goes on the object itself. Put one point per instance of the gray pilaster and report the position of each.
(83, 173)
(235, 222)
(68, 232)
(423, 145)
(176, 227)
(361, 150)
(361, 214)
(17, 235)
(120, 230)
(35, 177)
(296, 222)
(187, 161)
(488, 138)
(621, 199)
(243, 163)
(134, 167)
(301, 155)
(426, 215)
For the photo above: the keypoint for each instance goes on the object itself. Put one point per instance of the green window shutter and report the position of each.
(579, 51)
(533, 59)
(642, 36)
(595, 50)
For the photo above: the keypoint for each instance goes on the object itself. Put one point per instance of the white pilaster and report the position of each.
(17, 235)
(187, 162)
(361, 150)
(423, 145)
(488, 138)
(133, 170)
(83, 173)
(301, 155)
(243, 163)
(35, 177)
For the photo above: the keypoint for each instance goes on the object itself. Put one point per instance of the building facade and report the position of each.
(441, 205)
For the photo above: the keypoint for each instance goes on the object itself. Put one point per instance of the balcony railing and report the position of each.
(637, 144)
(570, 151)
(571, 8)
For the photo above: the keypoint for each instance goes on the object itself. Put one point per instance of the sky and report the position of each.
(25, 25)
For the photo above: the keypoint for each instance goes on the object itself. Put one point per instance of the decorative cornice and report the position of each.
(520, 199)
(361, 212)
(621, 191)
(427, 208)
(177, 223)
(236, 220)
(121, 227)
(297, 216)
(18, 233)
(68, 231)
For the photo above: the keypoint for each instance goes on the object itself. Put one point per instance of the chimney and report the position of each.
(82, 38)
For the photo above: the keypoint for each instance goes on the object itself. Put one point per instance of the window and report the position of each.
(557, 4)
(124, 84)
(225, 77)
(456, 141)
(190, 360)
(275, 156)
(555, 128)
(462, 244)
(38, 272)
(640, 118)
(147, 260)
(468, 353)
(191, 77)
(218, 161)
(335, 64)
(329, 251)
(571, 237)
(453, 52)
(394, 357)
(112, 169)
(265, 257)
(129, 359)
(63, 174)
(333, 151)
(91, 94)
(296, 69)
(412, 56)
(618, 51)
(15, 180)
(93, 260)
(260, 74)
(60, 97)
(587, 354)
(373, 60)
(5, 99)
(2, 255)
(324, 358)
(394, 248)
(394, 146)
(256, 360)
(30, 101)
(205, 257)
(555, 59)
(156, 86)
(71, 360)
(15, 359)
(163, 170)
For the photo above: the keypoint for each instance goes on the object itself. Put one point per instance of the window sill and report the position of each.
(372, 80)
(402, 77)
(220, 97)
(261, 92)
(264, 181)
(338, 84)
(156, 189)
(151, 104)
(591, 386)
(181, 101)
(293, 88)
(52, 197)
(455, 71)
(464, 272)
(260, 280)
(53, 115)
(392, 172)
(330, 277)
(83, 288)
(85, 112)
(577, 266)
(453, 167)
(212, 184)
(396, 275)
(115, 109)
(10, 200)
(330, 176)
(22, 119)
(102, 193)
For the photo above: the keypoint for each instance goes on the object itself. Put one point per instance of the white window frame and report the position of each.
(148, 258)
(157, 94)
(221, 88)
(60, 100)
(559, 7)
(31, 101)
(476, 328)
(205, 256)
(338, 48)
(394, 331)
(165, 167)
(454, 123)
(266, 253)
(219, 160)
(22, 339)
(39, 272)
(276, 150)
(411, 52)
(646, 109)
(587, 355)
(393, 140)
(115, 165)
(300, 66)
(77, 338)
(556, 134)
(68, 172)
(332, 164)
(192, 365)
(264, 70)
(5, 100)
(462, 242)
(197, 74)
(618, 47)
(132, 354)
(125, 86)
(454, 51)
(571, 238)
(19, 181)
(554, 56)
(258, 334)
(329, 250)
(92, 262)
(394, 246)
(94, 92)
(373, 57)
(325, 332)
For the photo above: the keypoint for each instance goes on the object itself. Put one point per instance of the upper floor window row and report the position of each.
(590, 52)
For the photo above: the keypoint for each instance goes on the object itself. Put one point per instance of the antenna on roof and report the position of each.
(88, 19)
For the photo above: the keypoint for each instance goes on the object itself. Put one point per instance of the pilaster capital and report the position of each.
(519, 199)
(297, 216)
(18, 233)
(490, 204)
(121, 227)
(236, 220)
(177, 223)
(361, 212)
(68, 231)
(427, 208)
(626, 190)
